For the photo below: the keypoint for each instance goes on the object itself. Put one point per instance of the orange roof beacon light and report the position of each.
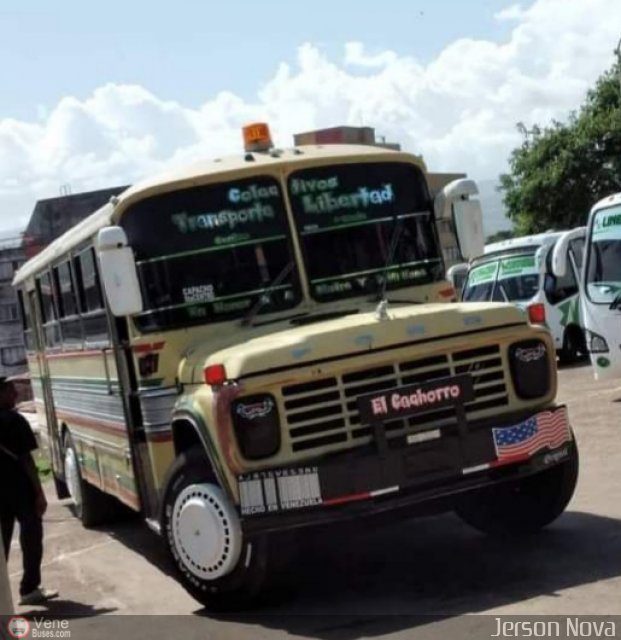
(257, 137)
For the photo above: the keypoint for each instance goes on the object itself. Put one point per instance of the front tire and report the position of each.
(215, 562)
(573, 346)
(522, 506)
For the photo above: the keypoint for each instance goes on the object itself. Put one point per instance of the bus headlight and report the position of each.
(595, 342)
(257, 425)
(530, 368)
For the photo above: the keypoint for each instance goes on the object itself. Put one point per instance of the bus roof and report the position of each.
(523, 242)
(196, 174)
(193, 174)
(608, 201)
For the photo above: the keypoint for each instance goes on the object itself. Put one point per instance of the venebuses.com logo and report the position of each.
(20, 627)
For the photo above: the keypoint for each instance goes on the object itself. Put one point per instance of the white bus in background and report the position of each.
(600, 285)
(519, 270)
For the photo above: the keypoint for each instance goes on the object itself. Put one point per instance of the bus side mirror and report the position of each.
(457, 275)
(453, 202)
(468, 219)
(540, 259)
(118, 272)
(560, 252)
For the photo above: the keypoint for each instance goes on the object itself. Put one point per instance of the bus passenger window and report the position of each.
(88, 282)
(71, 325)
(559, 288)
(48, 310)
(25, 313)
(46, 298)
(576, 247)
(94, 320)
(64, 282)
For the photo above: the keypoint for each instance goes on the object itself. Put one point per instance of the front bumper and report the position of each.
(424, 471)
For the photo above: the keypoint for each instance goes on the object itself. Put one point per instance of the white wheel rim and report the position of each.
(206, 531)
(72, 476)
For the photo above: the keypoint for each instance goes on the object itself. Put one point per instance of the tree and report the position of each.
(560, 171)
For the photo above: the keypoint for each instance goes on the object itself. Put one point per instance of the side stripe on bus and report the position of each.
(123, 493)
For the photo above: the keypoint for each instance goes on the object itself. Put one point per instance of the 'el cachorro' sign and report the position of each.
(402, 402)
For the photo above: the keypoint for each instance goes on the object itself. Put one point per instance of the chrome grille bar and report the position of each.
(323, 413)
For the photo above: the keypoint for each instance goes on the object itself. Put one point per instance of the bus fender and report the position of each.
(189, 430)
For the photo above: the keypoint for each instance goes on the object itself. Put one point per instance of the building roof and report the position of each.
(53, 216)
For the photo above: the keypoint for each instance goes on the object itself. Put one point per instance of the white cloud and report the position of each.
(355, 54)
(512, 12)
(459, 110)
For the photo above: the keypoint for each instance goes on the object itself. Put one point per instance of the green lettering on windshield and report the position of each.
(611, 221)
(228, 218)
(515, 266)
(482, 274)
(604, 223)
(318, 196)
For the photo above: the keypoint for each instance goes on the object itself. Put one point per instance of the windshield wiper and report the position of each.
(616, 302)
(265, 294)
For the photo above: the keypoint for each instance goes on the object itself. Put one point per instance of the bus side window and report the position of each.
(559, 288)
(26, 317)
(94, 320)
(70, 322)
(576, 248)
(47, 303)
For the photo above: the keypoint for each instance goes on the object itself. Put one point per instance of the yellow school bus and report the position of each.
(267, 342)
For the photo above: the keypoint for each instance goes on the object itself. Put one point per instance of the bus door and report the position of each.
(42, 388)
(138, 451)
(562, 302)
(563, 264)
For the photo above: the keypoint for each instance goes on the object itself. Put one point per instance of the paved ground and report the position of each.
(345, 581)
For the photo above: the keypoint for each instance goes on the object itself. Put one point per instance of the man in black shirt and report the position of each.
(21, 495)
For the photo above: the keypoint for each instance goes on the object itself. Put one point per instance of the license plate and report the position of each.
(281, 490)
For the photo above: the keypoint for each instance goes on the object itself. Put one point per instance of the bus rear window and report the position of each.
(355, 219)
(507, 279)
(207, 254)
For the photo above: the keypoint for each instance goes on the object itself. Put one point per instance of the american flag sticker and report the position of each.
(547, 429)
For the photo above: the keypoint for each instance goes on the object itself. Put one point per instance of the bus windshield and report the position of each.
(604, 256)
(508, 279)
(206, 254)
(346, 216)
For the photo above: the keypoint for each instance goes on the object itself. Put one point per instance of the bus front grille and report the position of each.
(323, 413)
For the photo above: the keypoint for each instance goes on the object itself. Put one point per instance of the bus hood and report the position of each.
(348, 335)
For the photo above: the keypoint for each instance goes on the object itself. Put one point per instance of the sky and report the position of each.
(100, 94)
